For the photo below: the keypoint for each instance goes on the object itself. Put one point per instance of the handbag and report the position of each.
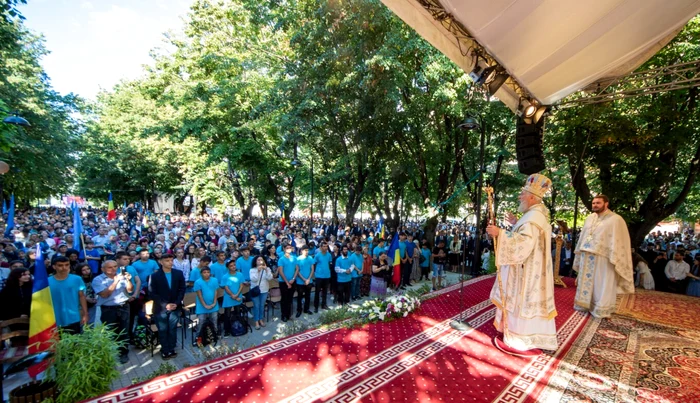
(255, 291)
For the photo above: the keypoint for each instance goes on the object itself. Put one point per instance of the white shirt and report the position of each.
(677, 270)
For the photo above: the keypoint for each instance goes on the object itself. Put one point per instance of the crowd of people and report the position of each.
(117, 265)
(120, 264)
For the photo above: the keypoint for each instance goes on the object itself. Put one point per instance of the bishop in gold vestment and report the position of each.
(525, 290)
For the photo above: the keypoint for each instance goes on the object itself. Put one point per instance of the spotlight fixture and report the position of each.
(469, 124)
(480, 74)
(498, 80)
(530, 110)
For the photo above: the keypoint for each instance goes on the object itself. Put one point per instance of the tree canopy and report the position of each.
(344, 87)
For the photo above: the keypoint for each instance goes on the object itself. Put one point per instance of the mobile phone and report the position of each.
(122, 270)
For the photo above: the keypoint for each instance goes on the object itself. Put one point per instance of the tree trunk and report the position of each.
(638, 231)
(334, 203)
(429, 229)
(263, 209)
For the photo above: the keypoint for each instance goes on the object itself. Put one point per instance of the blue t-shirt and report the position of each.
(426, 254)
(145, 269)
(218, 270)
(244, 265)
(402, 249)
(94, 264)
(169, 277)
(195, 274)
(356, 259)
(377, 250)
(66, 299)
(233, 282)
(289, 266)
(323, 265)
(410, 247)
(208, 289)
(134, 276)
(343, 263)
(304, 264)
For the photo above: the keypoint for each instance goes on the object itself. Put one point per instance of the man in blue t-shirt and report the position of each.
(342, 267)
(425, 261)
(207, 305)
(218, 268)
(356, 274)
(68, 296)
(379, 249)
(410, 249)
(244, 263)
(144, 267)
(287, 270)
(322, 272)
(305, 273)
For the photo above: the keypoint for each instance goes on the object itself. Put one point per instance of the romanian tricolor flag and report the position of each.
(111, 213)
(42, 321)
(394, 255)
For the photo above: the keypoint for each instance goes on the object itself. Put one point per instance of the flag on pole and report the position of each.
(42, 321)
(10, 218)
(380, 228)
(395, 259)
(111, 213)
(283, 222)
(77, 227)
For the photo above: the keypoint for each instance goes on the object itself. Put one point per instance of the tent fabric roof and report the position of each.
(552, 48)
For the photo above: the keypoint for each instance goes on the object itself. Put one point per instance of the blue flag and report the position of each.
(10, 217)
(380, 226)
(77, 228)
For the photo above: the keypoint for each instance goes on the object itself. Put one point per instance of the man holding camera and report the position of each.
(112, 290)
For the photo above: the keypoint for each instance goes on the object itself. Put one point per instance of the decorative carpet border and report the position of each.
(523, 384)
(385, 376)
(558, 382)
(212, 367)
(331, 384)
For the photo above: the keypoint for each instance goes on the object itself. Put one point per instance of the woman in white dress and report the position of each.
(643, 277)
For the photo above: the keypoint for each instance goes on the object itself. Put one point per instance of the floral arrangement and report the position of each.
(393, 307)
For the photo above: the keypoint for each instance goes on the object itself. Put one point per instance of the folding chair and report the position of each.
(274, 297)
(189, 302)
(152, 329)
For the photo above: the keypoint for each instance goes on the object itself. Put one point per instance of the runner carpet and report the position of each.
(417, 358)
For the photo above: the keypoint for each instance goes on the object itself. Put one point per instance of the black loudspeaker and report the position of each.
(528, 146)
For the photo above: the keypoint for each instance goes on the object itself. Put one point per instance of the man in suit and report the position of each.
(167, 289)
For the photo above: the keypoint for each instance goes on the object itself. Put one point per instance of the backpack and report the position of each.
(239, 323)
(208, 334)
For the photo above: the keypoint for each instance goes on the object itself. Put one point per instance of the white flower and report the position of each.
(405, 314)
(381, 315)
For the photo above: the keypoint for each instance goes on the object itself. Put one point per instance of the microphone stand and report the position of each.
(461, 324)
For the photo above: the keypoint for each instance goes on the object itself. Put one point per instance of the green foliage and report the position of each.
(293, 327)
(164, 368)
(211, 352)
(84, 364)
(337, 314)
(642, 152)
(41, 157)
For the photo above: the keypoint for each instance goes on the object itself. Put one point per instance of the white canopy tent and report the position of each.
(550, 48)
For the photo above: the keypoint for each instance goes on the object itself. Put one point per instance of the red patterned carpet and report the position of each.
(412, 359)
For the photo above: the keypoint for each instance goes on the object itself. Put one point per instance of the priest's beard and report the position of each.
(523, 207)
